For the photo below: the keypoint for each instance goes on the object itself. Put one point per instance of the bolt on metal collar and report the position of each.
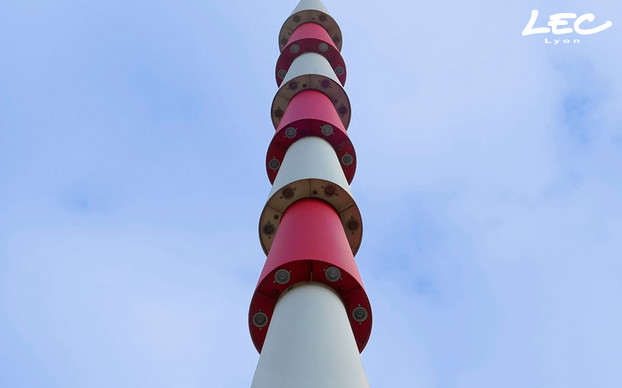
(352, 224)
(287, 192)
(268, 229)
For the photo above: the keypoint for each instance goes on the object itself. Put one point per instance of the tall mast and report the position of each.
(310, 316)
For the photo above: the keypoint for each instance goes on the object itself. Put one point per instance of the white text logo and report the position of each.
(559, 20)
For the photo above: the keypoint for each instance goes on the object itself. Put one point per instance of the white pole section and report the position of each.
(310, 343)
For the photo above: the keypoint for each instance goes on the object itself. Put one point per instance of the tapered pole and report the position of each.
(310, 316)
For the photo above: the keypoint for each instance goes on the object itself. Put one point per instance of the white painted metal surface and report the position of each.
(310, 63)
(311, 71)
(311, 169)
(310, 5)
(310, 343)
(310, 158)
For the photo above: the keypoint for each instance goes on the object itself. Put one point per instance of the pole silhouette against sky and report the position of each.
(310, 316)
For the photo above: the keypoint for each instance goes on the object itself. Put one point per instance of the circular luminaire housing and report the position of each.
(274, 164)
(311, 169)
(359, 314)
(291, 132)
(260, 319)
(332, 274)
(311, 113)
(310, 11)
(282, 276)
(310, 37)
(311, 71)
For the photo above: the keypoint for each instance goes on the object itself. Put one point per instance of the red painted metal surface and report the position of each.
(310, 37)
(310, 239)
(307, 113)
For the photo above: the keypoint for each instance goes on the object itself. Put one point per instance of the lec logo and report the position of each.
(561, 19)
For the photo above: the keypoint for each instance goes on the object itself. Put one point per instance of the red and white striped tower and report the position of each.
(310, 316)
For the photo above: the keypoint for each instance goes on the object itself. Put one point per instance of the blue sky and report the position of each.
(132, 176)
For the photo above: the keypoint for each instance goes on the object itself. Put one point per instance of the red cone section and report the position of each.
(311, 113)
(310, 244)
(310, 38)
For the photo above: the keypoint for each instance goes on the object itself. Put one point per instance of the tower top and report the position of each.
(310, 11)
(310, 4)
